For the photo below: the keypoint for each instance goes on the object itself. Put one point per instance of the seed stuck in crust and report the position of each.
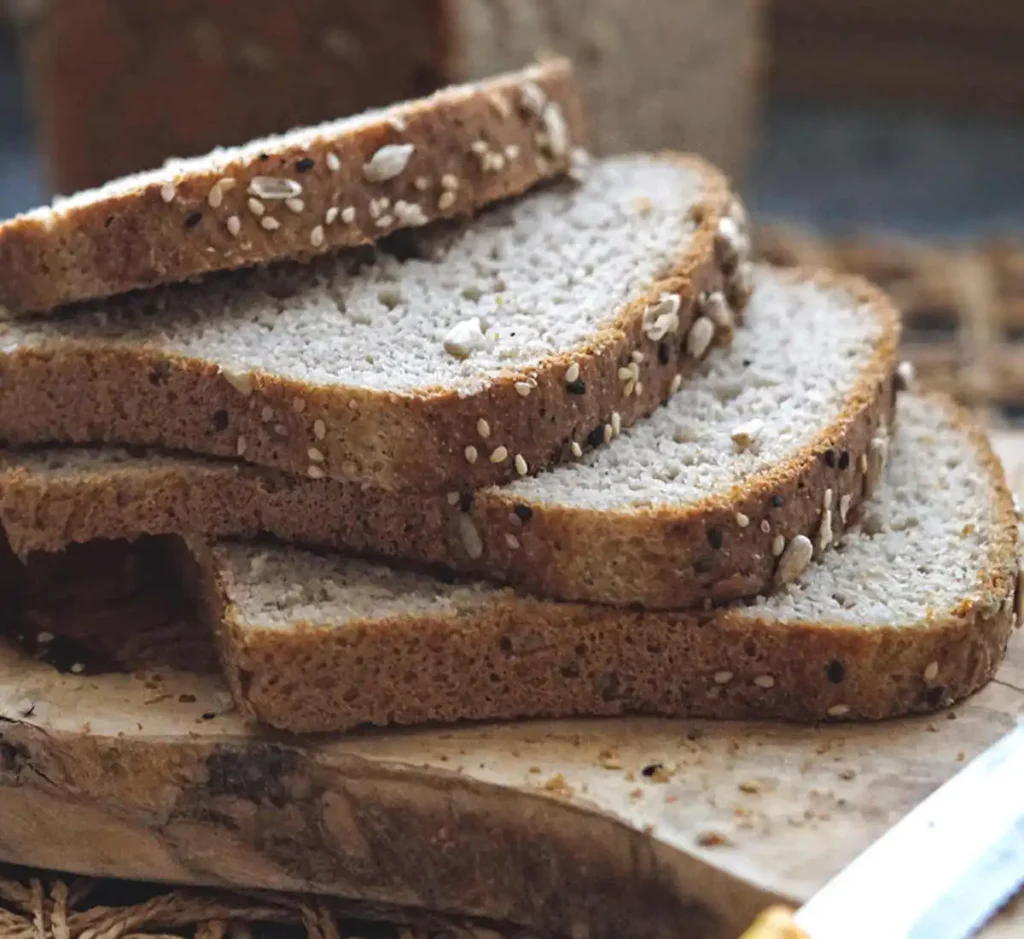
(662, 317)
(905, 376)
(269, 223)
(470, 537)
(794, 560)
(778, 543)
(765, 681)
(838, 710)
(844, 507)
(483, 428)
(715, 307)
(932, 671)
(877, 451)
(388, 162)
(234, 226)
(167, 192)
(698, 339)
(723, 677)
(499, 455)
(521, 467)
(572, 373)
(471, 454)
(270, 188)
(319, 429)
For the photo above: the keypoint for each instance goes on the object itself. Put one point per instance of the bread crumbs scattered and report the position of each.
(934, 728)
(636, 795)
(631, 776)
(711, 839)
(609, 760)
(750, 786)
(534, 770)
(847, 774)
(557, 785)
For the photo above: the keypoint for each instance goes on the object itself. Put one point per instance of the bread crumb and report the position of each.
(558, 786)
(711, 839)
(750, 786)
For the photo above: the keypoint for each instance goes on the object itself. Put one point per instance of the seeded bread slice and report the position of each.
(766, 452)
(387, 368)
(299, 194)
(911, 612)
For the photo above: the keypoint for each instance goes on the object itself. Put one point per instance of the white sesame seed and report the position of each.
(270, 223)
(607, 433)
(453, 498)
(270, 188)
(449, 182)
(512, 541)
(764, 681)
(932, 671)
(315, 455)
(319, 429)
(333, 163)
(766, 526)
(499, 455)
(388, 162)
(521, 467)
(483, 428)
(470, 454)
(332, 215)
(794, 560)
(77, 668)
(716, 308)
(637, 356)
(446, 200)
(532, 98)
(410, 214)
(778, 545)
(281, 430)
(240, 446)
(315, 472)
(838, 710)
(742, 520)
(295, 205)
(479, 147)
(677, 383)
(494, 162)
(398, 123)
(844, 507)
(316, 236)
(241, 381)
(626, 374)
(421, 183)
(500, 105)
(826, 500)
(905, 376)
(577, 450)
(234, 224)
(167, 192)
(662, 317)
(256, 207)
(862, 463)
(45, 637)
(215, 199)
(512, 152)
(298, 405)
(638, 388)
(698, 339)
(377, 207)
(385, 221)
(745, 435)
(267, 414)
(572, 373)
(514, 520)
(556, 129)
(523, 389)
(470, 537)
(616, 423)
(348, 215)
(723, 677)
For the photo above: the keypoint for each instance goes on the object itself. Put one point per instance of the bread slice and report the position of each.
(695, 503)
(299, 194)
(413, 367)
(911, 612)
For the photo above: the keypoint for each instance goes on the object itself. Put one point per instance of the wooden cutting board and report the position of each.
(636, 827)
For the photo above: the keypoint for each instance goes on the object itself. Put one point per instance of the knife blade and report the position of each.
(940, 873)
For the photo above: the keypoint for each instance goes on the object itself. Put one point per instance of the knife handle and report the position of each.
(775, 923)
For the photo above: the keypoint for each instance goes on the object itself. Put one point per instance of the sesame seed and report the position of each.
(577, 450)
(267, 414)
(377, 207)
(512, 152)
(523, 512)
(234, 224)
(316, 236)
(523, 389)
(77, 668)
(319, 429)
(637, 356)
(483, 428)
(794, 560)
(421, 183)
(577, 387)
(742, 520)
(167, 192)
(778, 545)
(240, 446)
(315, 455)
(470, 454)
(333, 163)
(348, 215)
(270, 188)
(932, 671)
(764, 681)
(766, 526)
(296, 205)
(216, 197)
(698, 339)
(556, 129)
(256, 207)
(863, 463)
(384, 221)
(607, 433)
(453, 498)
(572, 373)
(241, 381)
(269, 223)
(905, 376)
(826, 501)
(512, 541)
(723, 677)
(838, 710)
(626, 374)
(398, 123)
(532, 98)
(844, 507)
(677, 383)
(616, 423)
(521, 467)
(449, 182)
(470, 537)
(281, 430)
(638, 388)
(332, 215)
(315, 472)
(298, 405)
(388, 162)
(446, 201)
(777, 501)
(479, 147)
(499, 455)
(409, 213)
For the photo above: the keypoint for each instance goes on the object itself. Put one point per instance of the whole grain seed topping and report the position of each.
(319, 429)
(844, 507)
(269, 188)
(838, 710)
(385, 221)
(388, 162)
(616, 423)
(662, 317)
(298, 405)
(862, 463)
(471, 454)
(469, 536)
(332, 215)
(830, 458)
(240, 446)
(716, 308)
(572, 373)
(676, 384)
(242, 382)
(745, 435)
(398, 123)
(742, 520)
(730, 243)
(348, 214)
(877, 451)
(409, 213)
(905, 376)
(167, 192)
(499, 455)
(305, 164)
(234, 225)
(777, 502)
(826, 500)
(576, 449)
(295, 205)
(794, 560)
(778, 545)
(723, 677)
(333, 163)
(483, 428)
(764, 681)
(256, 207)
(532, 98)
(267, 414)
(269, 223)
(512, 152)
(521, 467)
(698, 339)
(315, 472)
(315, 455)
(421, 183)
(825, 530)
(556, 129)
(449, 182)
(523, 389)
(932, 671)
(512, 541)
(215, 199)
(765, 526)
(446, 201)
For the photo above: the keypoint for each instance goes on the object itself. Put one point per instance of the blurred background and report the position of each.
(880, 137)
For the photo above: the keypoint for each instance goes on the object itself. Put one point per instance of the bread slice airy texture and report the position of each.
(765, 453)
(297, 195)
(911, 612)
(467, 355)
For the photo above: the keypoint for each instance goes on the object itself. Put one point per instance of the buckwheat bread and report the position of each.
(695, 503)
(911, 612)
(460, 357)
(297, 195)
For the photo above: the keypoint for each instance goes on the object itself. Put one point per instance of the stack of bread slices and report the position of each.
(457, 424)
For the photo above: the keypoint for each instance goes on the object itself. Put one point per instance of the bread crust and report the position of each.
(138, 239)
(519, 657)
(78, 391)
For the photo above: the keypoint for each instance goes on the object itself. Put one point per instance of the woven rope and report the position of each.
(963, 308)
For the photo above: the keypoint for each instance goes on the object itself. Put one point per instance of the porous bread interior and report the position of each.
(222, 158)
(791, 366)
(545, 274)
(917, 556)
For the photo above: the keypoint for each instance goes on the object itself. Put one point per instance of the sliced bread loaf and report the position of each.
(297, 195)
(468, 355)
(764, 454)
(911, 612)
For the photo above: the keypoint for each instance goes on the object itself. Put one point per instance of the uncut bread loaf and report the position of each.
(911, 612)
(762, 455)
(410, 364)
(297, 195)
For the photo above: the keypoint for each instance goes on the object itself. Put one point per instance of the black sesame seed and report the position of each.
(209, 716)
(466, 501)
(835, 672)
(830, 458)
(305, 164)
(935, 695)
(715, 538)
(663, 353)
(524, 512)
(844, 459)
(577, 387)
(194, 219)
(747, 363)
(596, 437)
(650, 769)
(777, 501)
(264, 157)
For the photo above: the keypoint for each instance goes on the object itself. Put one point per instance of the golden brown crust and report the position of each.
(138, 239)
(80, 392)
